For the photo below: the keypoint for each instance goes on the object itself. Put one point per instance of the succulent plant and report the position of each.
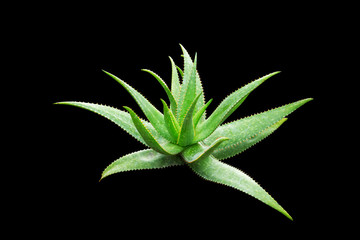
(182, 134)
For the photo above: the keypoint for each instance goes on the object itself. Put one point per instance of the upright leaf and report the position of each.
(187, 95)
(213, 170)
(171, 123)
(180, 71)
(175, 82)
(229, 104)
(188, 68)
(144, 159)
(188, 65)
(173, 103)
(153, 115)
(201, 112)
(187, 129)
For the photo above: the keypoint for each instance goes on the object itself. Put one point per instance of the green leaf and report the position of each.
(171, 123)
(247, 131)
(188, 66)
(187, 94)
(175, 82)
(188, 73)
(180, 71)
(213, 170)
(173, 103)
(230, 150)
(182, 134)
(144, 159)
(199, 150)
(158, 144)
(120, 118)
(228, 105)
(153, 115)
(234, 108)
(201, 112)
(187, 129)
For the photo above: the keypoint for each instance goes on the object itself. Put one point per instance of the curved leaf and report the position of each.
(120, 118)
(201, 112)
(153, 115)
(180, 71)
(173, 103)
(158, 144)
(144, 159)
(175, 82)
(213, 170)
(245, 132)
(228, 105)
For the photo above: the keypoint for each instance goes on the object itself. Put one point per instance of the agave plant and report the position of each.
(182, 134)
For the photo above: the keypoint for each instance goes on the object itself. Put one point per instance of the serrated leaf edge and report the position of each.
(132, 170)
(247, 139)
(122, 83)
(229, 109)
(172, 100)
(95, 111)
(192, 105)
(161, 147)
(229, 185)
(306, 100)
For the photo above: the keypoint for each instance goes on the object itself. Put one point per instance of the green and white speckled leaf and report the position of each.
(187, 94)
(213, 170)
(175, 83)
(188, 67)
(245, 132)
(228, 105)
(144, 159)
(183, 134)
(227, 151)
(119, 117)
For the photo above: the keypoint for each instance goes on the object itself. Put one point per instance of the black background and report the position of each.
(66, 49)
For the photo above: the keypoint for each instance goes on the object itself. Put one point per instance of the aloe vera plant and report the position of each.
(182, 134)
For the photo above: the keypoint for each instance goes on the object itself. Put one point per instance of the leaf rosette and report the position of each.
(182, 134)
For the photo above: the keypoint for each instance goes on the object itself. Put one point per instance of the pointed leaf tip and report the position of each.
(144, 159)
(170, 122)
(227, 107)
(150, 111)
(213, 170)
(187, 129)
(173, 103)
(247, 131)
